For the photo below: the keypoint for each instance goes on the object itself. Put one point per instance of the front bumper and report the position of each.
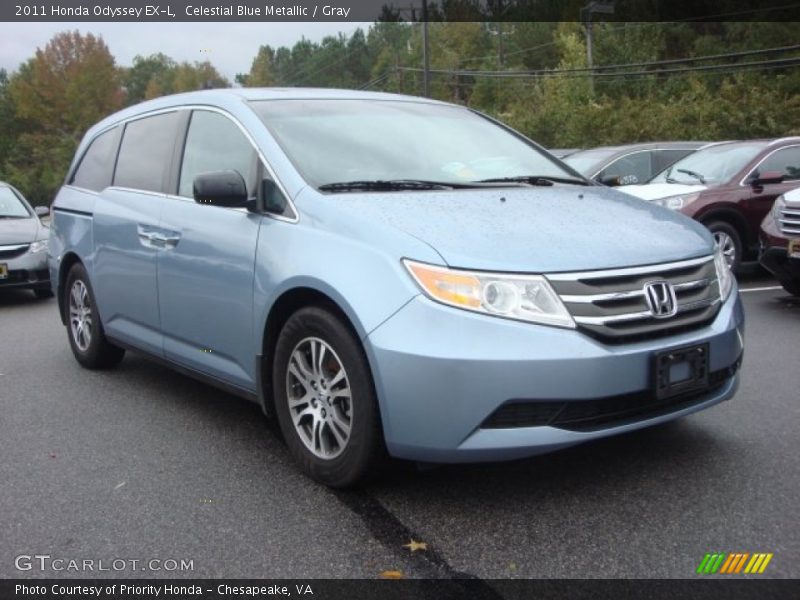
(774, 256)
(441, 372)
(27, 271)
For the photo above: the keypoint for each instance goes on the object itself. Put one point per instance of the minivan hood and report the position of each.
(655, 191)
(528, 230)
(18, 231)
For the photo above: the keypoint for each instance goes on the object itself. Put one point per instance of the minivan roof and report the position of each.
(226, 96)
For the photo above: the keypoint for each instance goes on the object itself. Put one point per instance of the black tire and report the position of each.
(43, 293)
(792, 286)
(721, 229)
(94, 352)
(363, 452)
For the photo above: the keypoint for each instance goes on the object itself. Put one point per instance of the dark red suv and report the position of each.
(730, 187)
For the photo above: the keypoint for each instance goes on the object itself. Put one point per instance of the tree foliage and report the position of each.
(47, 104)
(57, 95)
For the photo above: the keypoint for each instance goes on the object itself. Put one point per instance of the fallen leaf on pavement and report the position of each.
(414, 546)
(391, 575)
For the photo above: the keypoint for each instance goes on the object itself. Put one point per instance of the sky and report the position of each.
(230, 47)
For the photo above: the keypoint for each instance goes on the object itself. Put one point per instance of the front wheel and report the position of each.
(84, 329)
(325, 400)
(728, 239)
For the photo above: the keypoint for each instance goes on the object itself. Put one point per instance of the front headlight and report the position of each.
(37, 246)
(777, 207)
(676, 202)
(724, 275)
(522, 297)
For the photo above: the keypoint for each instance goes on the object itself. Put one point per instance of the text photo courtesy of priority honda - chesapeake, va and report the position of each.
(426, 299)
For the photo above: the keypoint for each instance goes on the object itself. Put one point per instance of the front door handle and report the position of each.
(167, 241)
(153, 238)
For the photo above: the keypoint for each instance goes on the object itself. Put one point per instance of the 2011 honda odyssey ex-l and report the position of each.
(387, 275)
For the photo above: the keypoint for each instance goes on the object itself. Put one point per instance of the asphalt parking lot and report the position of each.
(141, 463)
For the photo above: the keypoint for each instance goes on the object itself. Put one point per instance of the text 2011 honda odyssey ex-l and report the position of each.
(387, 274)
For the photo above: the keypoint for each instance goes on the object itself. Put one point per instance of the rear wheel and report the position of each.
(727, 237)
(325, 399)
(84, 329)
(792, 286)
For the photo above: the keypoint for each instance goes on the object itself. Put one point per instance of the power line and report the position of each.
(621, 78)
(600, 71)
(378, 79)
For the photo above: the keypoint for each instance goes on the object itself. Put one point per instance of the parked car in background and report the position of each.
(729, 187)
(23, 244)
(780, 241)
(386, 273)
(629, 164)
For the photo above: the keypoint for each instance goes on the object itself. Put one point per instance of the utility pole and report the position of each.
(426, 62)
(593, 8)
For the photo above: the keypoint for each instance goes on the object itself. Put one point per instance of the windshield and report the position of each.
(333, 141)
(10, 205)
(589, 162)
(713, 165)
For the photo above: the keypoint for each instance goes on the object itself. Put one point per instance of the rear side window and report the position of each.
(630, 169)
(215, 143)
(97, 165)
(664, 158)
(146, 152)
(786, 160)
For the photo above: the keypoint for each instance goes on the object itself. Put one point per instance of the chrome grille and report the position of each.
(13, 250)
(790, 220)
(612, 304)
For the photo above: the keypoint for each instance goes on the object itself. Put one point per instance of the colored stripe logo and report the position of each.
(734, 563)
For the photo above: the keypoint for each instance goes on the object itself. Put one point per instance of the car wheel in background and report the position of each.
(325, 399)
(792, 286)
(84, 329)
(727, 237)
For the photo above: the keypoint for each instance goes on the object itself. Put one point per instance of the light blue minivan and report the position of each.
(387, 276)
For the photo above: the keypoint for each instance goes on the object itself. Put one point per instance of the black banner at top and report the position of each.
(406, 10)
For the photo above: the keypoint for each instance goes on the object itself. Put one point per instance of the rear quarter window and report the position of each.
(96, 168)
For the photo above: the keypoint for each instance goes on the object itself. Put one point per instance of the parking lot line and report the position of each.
(761, 289)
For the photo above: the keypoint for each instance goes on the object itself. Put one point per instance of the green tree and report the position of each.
(262, 73)
(8, 125)
(57, 95)
(137, 78)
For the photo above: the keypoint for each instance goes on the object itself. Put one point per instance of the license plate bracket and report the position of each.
(793, 249)
(680, 371)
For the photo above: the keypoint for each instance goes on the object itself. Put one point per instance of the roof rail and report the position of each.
(791, 138)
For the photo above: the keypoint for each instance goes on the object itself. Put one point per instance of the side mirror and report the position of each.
(611, 181)
(767, 177)
(220, 188)
(41, 211)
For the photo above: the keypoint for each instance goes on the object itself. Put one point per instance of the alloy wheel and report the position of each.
(80, 315)
(319, 398)
(728, 246)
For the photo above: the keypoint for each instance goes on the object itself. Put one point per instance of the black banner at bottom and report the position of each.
(416, 589)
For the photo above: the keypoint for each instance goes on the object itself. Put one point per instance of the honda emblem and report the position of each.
(660, 298)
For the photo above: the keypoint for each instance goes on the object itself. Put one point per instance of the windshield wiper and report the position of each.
(388, 185)
(534, 180)
(697, 176)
